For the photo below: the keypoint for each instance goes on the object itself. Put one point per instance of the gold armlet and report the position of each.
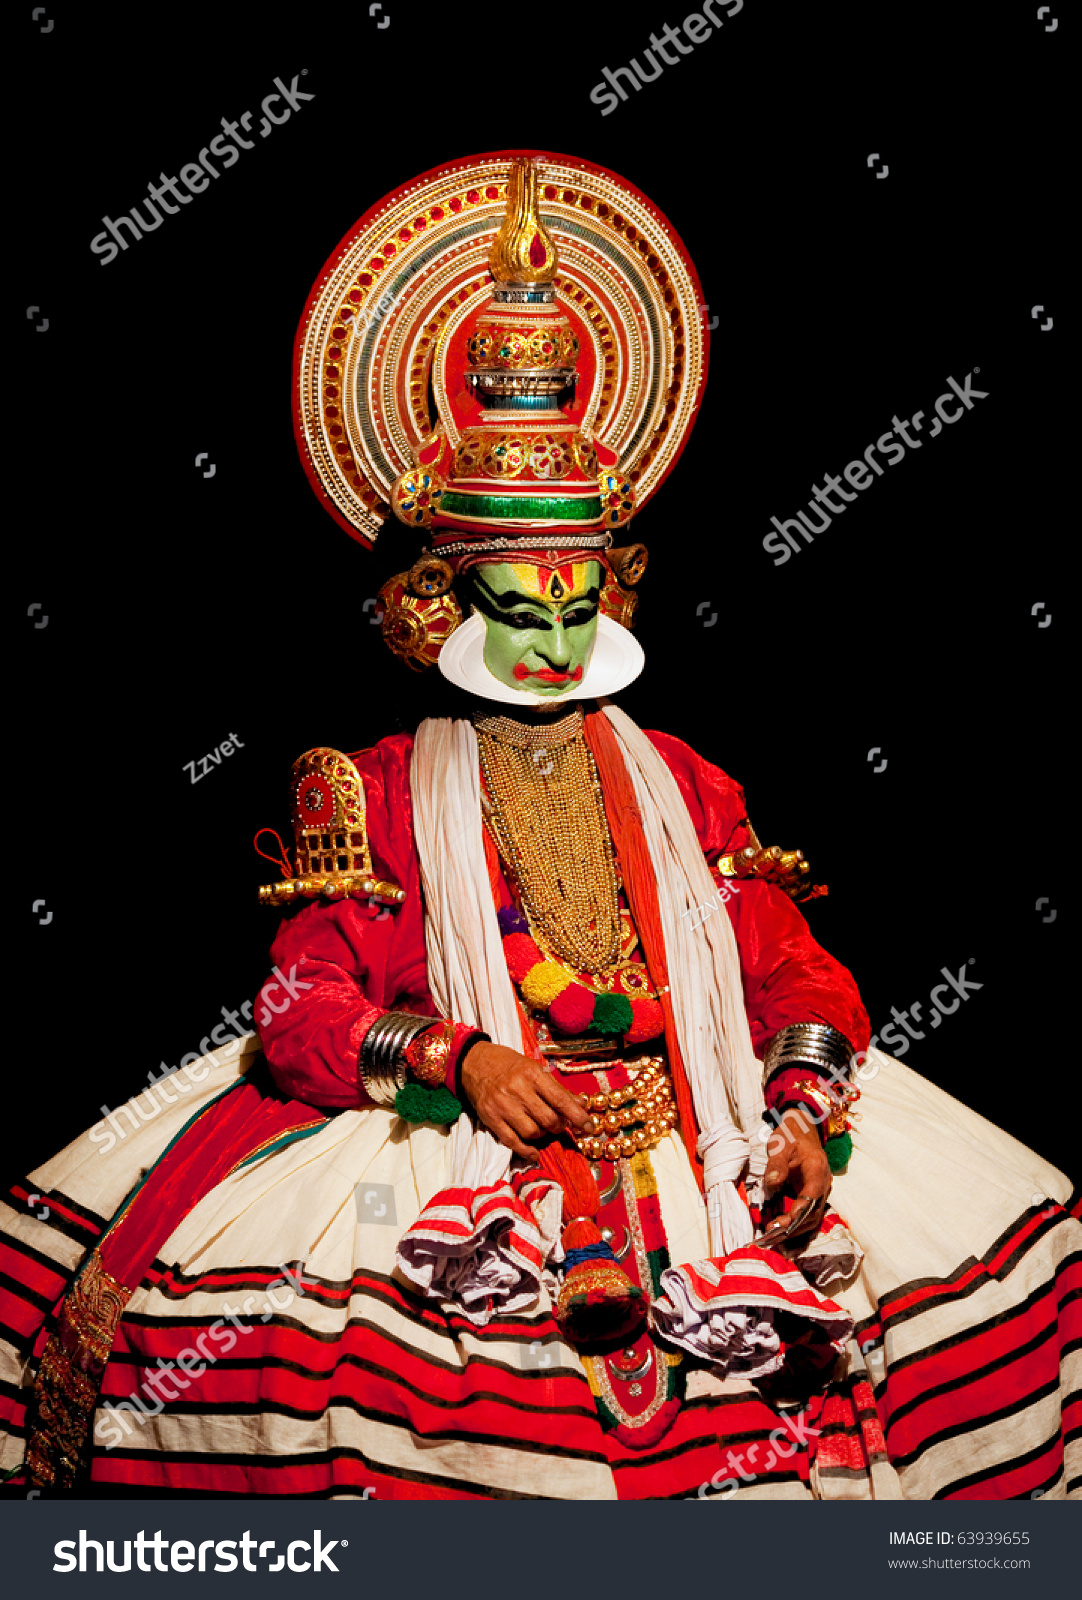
(330, 836)
(787, 869)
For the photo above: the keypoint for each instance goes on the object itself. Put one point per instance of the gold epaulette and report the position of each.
(330, 835)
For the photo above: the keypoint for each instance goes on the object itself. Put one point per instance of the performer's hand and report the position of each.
(518, 1099)
(798, 1162)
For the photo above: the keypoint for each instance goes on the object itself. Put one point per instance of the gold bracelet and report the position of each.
(428, 1054)
(835, 1111)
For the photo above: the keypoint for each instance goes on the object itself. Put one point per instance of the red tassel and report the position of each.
(582, 1198)
(281, 861)
(598, 1299)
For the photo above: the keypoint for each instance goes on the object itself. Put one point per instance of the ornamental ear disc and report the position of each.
(430, 576)
(629, 563)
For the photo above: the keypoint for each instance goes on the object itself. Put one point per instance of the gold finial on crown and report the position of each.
(523, 252)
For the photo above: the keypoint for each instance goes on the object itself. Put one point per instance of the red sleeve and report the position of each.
(341, 964)
(788, 977)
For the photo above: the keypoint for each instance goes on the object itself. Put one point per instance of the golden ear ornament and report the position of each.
(430, 576)
(628, 562)
(622, 570)
(417, 626)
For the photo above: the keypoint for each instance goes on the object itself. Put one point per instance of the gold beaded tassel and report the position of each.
(548, 814)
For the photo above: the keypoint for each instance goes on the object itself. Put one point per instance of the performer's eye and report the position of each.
(579, 615)
(521, 621)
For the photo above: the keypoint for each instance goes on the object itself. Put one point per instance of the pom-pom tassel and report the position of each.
(839, 1150)
(572, 1011)
(612, 1014)
(647, 1022)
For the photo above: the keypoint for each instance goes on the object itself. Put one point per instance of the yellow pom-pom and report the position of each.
(543, 983)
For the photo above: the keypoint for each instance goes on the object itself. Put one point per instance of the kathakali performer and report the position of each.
(563, 1164)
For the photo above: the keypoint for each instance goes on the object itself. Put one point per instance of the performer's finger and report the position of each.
(544, 1115)
(507, 1136)
(806, 1214)
(522, 1122)
(798, 1216)
(775, 1236)
(777, 1170)
(568, 1105)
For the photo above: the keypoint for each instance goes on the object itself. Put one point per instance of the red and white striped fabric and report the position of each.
(485, 1249)
(723, 1311)
(832, 1255)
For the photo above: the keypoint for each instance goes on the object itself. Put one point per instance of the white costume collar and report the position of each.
(616, 660)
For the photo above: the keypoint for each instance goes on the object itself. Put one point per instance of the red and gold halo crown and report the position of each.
(508, 352)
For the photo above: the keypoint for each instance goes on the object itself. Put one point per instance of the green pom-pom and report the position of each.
(417, 1103)
(612, 1014)
(839, 1149)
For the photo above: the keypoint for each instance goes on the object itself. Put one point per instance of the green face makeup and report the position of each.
(541, 623)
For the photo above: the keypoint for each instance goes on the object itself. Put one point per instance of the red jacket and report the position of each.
(341, 964)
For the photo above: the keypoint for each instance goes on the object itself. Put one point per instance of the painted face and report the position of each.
(541, 622)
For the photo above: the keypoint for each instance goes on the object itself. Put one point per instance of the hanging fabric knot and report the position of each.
(725, 1152)
(281, 861)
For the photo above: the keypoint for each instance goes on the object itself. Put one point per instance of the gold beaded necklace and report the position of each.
(548, 816)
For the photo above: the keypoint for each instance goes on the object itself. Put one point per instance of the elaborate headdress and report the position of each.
(508, 354)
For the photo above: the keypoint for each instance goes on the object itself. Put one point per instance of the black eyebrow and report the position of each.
(510, 598)
(505, 600)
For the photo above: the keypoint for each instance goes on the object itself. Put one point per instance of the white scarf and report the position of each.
(468, 977)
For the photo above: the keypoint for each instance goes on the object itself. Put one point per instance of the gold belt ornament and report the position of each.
(635, 1117)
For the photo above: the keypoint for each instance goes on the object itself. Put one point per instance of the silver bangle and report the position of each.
(809, 1044)
(383, 1053)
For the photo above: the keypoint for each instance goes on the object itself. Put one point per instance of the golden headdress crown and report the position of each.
(398, 408)
(507, 353)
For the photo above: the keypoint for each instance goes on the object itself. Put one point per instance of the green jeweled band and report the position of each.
(499, 507)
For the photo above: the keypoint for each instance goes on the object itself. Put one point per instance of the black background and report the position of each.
(182, 609)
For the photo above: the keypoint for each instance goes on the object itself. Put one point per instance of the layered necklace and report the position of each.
(547, 812)
(548, 815)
